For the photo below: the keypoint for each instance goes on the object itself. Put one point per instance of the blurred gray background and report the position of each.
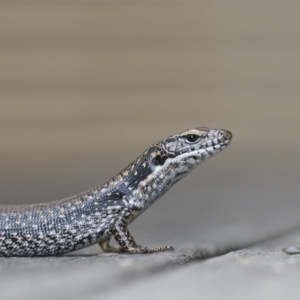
(86, 86)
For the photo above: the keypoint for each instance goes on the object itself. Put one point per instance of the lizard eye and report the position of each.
(192, 138)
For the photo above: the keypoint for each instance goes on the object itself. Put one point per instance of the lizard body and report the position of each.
(94, 216)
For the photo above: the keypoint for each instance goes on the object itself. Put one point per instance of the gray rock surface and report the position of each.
(260, 272)
(85, 277)
(88, 274)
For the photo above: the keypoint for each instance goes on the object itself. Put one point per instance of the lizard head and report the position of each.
(182, 152)
(169, 160)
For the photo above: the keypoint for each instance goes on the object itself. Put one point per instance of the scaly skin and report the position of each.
(106, 210)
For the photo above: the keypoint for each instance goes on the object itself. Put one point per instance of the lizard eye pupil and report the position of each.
(192, 138)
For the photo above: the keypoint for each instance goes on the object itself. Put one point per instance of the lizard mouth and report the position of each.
(221, 140)
(219, 143)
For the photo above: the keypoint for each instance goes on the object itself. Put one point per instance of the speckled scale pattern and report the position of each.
(94, 216)
(57, 227)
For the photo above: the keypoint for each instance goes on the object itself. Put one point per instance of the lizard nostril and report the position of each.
(225, 134)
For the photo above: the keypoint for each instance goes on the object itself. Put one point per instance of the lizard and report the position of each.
(94, 216)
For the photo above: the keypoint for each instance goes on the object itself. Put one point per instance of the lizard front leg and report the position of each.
(127, 243)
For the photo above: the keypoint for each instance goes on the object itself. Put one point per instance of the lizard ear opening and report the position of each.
(159, 159)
